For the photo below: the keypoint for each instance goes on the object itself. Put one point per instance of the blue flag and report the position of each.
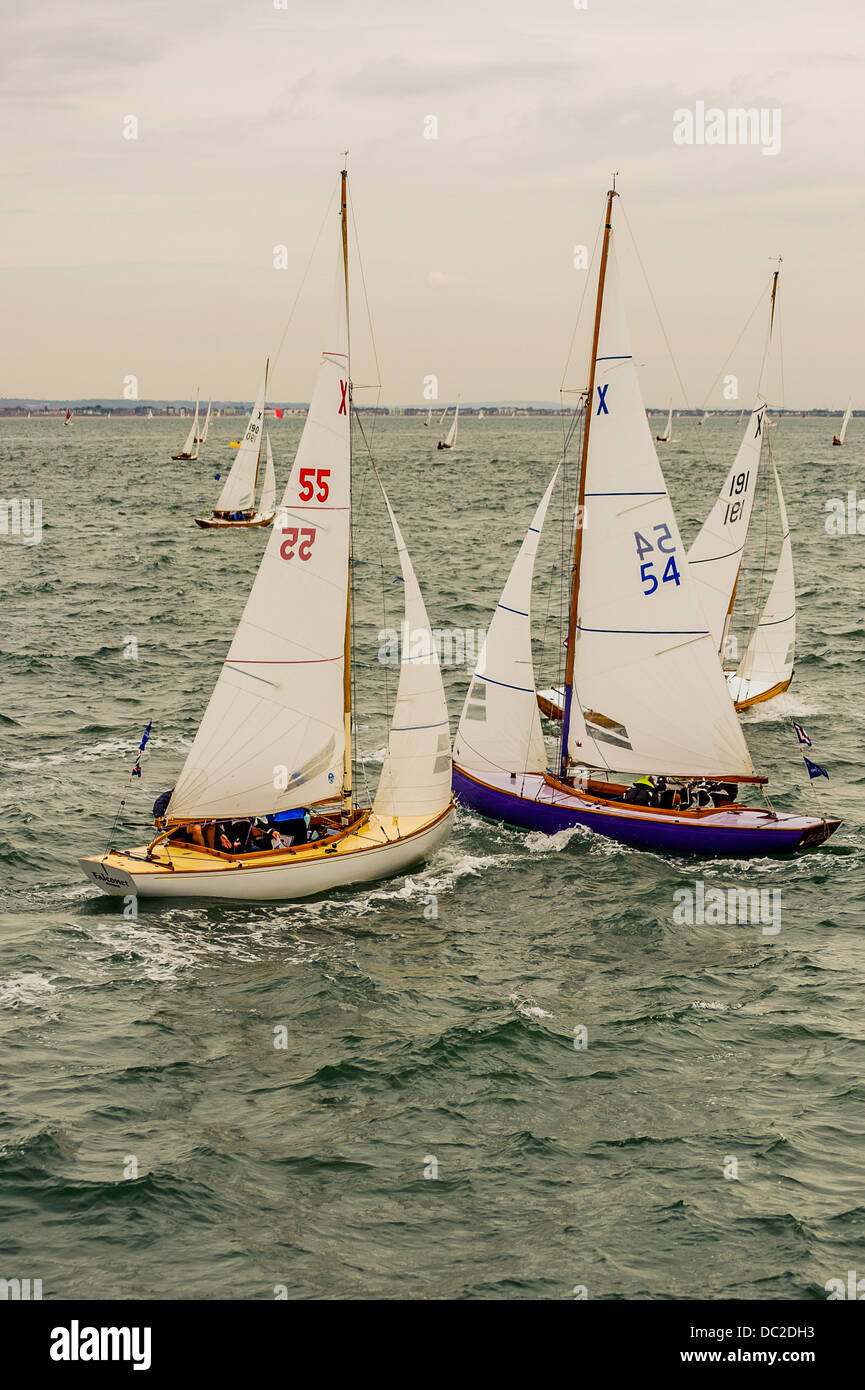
(814, 770)
(146, 735)
(801, 735)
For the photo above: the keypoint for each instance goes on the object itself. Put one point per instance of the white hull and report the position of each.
(274, 883)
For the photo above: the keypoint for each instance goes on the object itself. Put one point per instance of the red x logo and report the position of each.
(343, 386)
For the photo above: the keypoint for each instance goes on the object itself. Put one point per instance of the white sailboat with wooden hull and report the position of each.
(450, 438)
(189, 452)
(644, 694)
(235, 508)
(274, 747)
(667, 436)
(839, 438)
(716, 556)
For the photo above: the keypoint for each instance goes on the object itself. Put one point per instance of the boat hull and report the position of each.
(218, 524)
(361, 857)
(535, 802)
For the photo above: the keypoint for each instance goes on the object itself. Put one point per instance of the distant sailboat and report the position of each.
(707, 415)
(150, 414)
(715, 560)
(235, 507)
(264, 807)
(450, 438)
(202, 438)
(644, 693)
(839, 438)
(190, 448)
(428, 420)
(481, 414)
(668, 431)
(68, 420)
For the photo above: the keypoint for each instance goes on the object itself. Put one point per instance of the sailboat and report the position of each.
(715, 561)
(450, 438)
(202, 438)
(150, 414)
(839, 438)
(666, 437)
(428, 420)
(644, 693)
(706, 415)
(68, 420)
(274, 748)
(235, 507)
(190, 448)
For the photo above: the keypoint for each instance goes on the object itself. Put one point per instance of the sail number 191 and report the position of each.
(667, 557)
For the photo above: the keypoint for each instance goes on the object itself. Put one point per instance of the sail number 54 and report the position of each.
(665, 544)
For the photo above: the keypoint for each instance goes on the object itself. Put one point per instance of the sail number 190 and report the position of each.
(736, 505)
(667, 557)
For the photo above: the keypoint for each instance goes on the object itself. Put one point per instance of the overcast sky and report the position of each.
(154, 256)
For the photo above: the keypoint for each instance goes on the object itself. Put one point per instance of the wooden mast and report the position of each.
(346, 771)
(581, 493)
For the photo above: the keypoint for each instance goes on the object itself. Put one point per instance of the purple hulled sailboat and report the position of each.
(644, 693)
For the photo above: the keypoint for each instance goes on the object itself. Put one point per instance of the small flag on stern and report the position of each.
(814, 769)
(801, 735)
(136, 771)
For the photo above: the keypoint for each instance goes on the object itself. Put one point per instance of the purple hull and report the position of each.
(535, 805)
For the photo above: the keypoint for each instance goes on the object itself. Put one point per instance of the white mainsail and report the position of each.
(847, 413)
(452, 432)
(649, 694)
(500, 727)
(716, 555)
(268, 491)
(768, 661)
(273, 735)
(191, 445)
(202, 439)
(416, 776)
(668, 428)
(238, 491)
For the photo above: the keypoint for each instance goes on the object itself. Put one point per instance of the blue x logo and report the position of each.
(602, 399)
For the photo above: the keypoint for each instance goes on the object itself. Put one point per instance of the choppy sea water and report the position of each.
(413, 1042)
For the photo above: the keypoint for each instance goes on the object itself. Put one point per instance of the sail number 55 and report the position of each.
(292, 535)
(667, 547)
(320, 486)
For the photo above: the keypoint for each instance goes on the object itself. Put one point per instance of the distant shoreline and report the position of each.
(502, 410)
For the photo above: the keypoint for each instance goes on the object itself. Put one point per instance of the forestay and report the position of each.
(416, 776)
(768, 661)
(273, 735)
(716, 555)
(268, 491)
(647, 676)
(500, 727)
(238, 493)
